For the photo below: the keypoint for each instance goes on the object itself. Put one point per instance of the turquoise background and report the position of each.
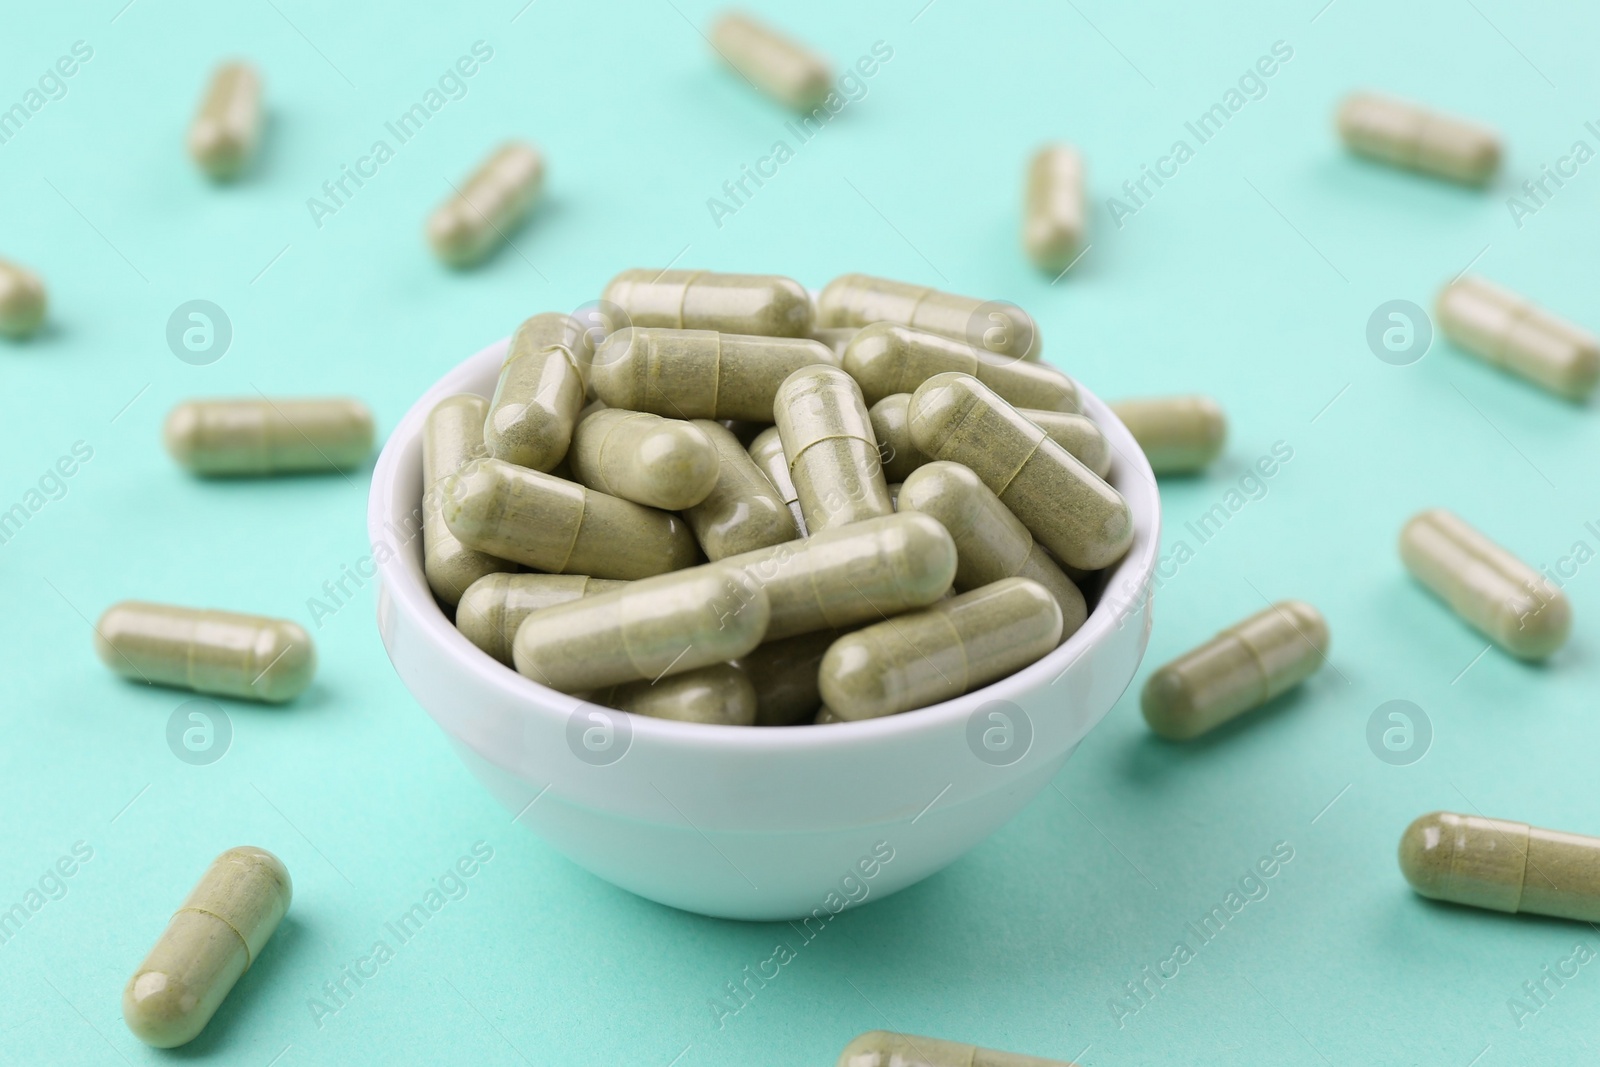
(1250, 276)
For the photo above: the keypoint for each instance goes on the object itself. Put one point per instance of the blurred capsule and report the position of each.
(227, 128)
(763, 305)
(1502, 328)
(1052, 216)
(773, 62)
(1407, 135)
(485, 208)
(22, 300)
(263, 436)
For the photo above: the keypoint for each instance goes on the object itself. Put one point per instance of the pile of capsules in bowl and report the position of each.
(738, 507)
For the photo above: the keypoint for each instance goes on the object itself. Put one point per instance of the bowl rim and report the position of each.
(408, 593)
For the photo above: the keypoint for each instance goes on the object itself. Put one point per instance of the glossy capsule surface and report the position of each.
(772, 61)
(1408, 135)
(892, 426)
(767, 451)
(539, 393)
(885, 359)
(1506, 600)
(1052, 209)
(265, 436)
(881, 1048)
(251, 657)
(700, 374)
(951, 648)
(990, 543)
(1502, 328)
(1503, 866)
(1240, 669)
(649, 629)
(743, 511)
(784, 675)
(494, 606)
(719, 695)
(833, 455)
(483, 210)
(764, 305)
(1067, 507)
(22, 301)
(998, 328)
(227, 128)
(837, 338)
(213, 938)
(663, 463)
(452, 437)
(1178, 434)
(557, 526)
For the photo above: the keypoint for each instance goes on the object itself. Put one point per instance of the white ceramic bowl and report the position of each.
(743, 822)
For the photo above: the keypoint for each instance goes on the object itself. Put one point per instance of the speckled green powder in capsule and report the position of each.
(833, 455)
(452, 436)
(539, 394)
(886, 359)
(699, 374)
(744, 511)
(765, 305)
(494, 606)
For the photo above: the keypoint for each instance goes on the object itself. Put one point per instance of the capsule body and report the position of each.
(699, 374)
(540, 392)
(452, 437)
(990, 543)
(1407, 135)
(763, 305)
(227, 128)
(662, 463)
(1503, 866)
(485, 208)
(719, 695)
(998, 328)
(951, 648)
(833, 455)
(891, 425)
(1052, 211)
(1240, 669)
(251, 657)
(744, 511)
(837, 338)
(1078, 434)
(664, 625)
(784, 676)
(22, 300)
(1506, 600)
(1178, 434)
(1502, 328)
(553, 525)
(885, 359)
(494, 606)
(774, 63)
(1066, 506)
(210, 941)
(262, 436)
(767, 451)
(880, 1048)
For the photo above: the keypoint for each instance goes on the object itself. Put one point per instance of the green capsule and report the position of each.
(837, 338)
(554, 525)
(662, 463)
(892, 426)
(1065, 505)
(452, 437)
(1516, 335)
(260, 436)
(488, 206)
(22, 301)
(227, 128)
(772, 62)
(951, 648)
(1179, 434)
(784, 674)
(250, 657)
(1404, 134)
(719, 695)
(664, 625)
(885, 359)
(699, 374)
(990, 543)
(763, 305)
(767, 451)
(1053, 210)
(880, 1048)
(998, 328)
(744, 511)
(833, 455)
(494, 606)
(1503, 866)
(539, 395)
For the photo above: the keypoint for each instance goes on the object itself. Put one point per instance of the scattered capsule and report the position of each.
(557, 526)
(762, 305)
(1178, 434)
(833, 456)
(998, 328)
(262, 436)
(951, 648)
(1052, 213)
(886, 359)
(852, 574)
(494, 606)
(1502, 328)
(210, 941)
(784, 674)
(539, 395)
(990, 543)
(485, 208)
(251, 657)
(880, 1048)
(1239, 670)
(719, 695)
(767, 451)
(227, 127)
(1407, 135)
(891, 425)
(452, 437)
(1065, 505)
(663, 463)
(744, 511)
(1506, 600)
(837, 338)
(699, 374)
(664, 625)
(22, 300)
(1503, 866)
(772, 62)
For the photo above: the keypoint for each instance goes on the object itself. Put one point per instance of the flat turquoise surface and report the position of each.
(1250, 275)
